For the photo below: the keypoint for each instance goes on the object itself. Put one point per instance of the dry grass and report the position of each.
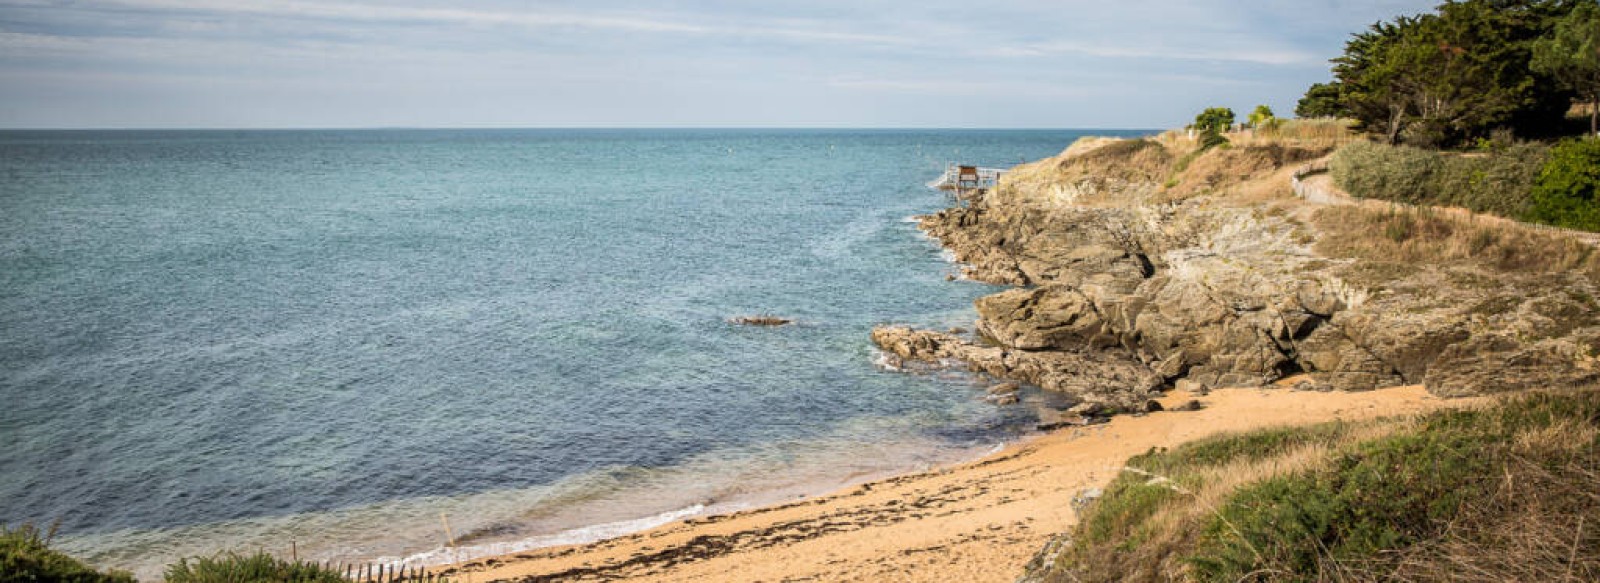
(1169, 167)
(1319, 134)
(1398, 234)
(1516, 536)
(1091, 171)
(1248, 171)
(1202, 491)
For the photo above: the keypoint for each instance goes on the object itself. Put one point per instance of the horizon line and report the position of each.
(561, 127)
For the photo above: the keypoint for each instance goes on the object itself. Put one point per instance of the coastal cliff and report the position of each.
(1142, 265)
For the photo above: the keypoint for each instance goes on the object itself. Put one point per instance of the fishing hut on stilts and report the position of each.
(965, 181)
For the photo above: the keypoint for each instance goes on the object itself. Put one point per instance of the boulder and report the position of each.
(1004, 389)
(1190, 405)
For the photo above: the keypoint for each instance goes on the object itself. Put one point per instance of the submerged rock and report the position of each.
(762, 321)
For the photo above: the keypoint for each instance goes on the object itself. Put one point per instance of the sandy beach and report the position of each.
(978, 521)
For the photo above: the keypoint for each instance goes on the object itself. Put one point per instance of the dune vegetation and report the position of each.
(1508, 492)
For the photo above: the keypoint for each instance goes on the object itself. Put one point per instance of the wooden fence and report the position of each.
(389, 574)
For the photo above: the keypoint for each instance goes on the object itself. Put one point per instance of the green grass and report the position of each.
(259, 567)
(1567, 193)
(1508, 492)
(25, 555)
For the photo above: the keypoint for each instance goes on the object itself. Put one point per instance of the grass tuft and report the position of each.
(236, 568)
(25, 555)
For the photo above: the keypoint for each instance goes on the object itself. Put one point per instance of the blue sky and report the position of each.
(717, 63)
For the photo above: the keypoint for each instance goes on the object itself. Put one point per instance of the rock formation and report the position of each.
(1122, 290)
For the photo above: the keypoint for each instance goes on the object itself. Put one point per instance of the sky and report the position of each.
(669, 63)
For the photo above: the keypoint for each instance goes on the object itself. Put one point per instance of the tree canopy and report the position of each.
(1214, 120)
(1459, 73)
(1322, 100)
(1571, 56)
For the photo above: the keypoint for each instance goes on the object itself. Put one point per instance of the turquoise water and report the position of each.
(240, 339)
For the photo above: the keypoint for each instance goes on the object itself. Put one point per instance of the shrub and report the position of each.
(1214, 120)
(1377, 496)
(258, 568)
(1565, 192)
(1498, 183)
(1503, 493)
(25, 555)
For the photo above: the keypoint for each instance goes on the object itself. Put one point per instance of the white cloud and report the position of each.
(644, 62)
(1123, 50)
(525, 18)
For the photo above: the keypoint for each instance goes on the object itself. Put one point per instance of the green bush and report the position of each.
(25, 555)
(1382, 495)
(1502, 493)
(257, 568)
(1214, 120)
(1499, 183)
(1565, 193)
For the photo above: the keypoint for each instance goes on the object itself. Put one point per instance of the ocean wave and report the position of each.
(576, 536)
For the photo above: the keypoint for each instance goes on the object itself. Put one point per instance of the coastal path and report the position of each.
(1313, 184)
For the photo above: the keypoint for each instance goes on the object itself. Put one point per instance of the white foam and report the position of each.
(912, 219)
(576, 536)
(947, 255)
(885, 361)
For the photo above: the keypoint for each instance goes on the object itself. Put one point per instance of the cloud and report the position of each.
(687, 62)
(961, 86)
(523, 18)
(1263, 56)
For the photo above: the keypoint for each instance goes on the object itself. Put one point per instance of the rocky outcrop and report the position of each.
(1119, 299)
(1111, 378)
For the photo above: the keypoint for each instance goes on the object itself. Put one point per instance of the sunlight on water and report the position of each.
(222, 339)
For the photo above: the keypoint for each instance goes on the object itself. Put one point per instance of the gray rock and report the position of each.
(1190, 405)
(1004, 389)
(1088, 409)
(1086, 497)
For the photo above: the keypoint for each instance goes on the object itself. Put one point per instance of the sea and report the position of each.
(421, 346)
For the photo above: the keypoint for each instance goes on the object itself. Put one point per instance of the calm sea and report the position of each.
(345, 339)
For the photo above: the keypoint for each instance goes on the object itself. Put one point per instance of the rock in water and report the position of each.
(1004, 389)
(762, 321)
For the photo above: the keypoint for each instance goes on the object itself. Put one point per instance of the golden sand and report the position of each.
(978, 521)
